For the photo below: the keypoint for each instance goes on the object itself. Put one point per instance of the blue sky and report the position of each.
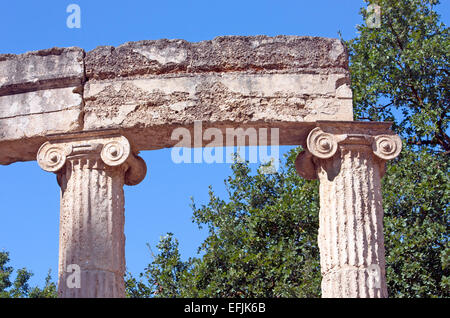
(29, 197)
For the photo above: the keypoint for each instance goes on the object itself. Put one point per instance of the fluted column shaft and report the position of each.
(349, 161)
(351, 238)
(92, 228)
(91, 171)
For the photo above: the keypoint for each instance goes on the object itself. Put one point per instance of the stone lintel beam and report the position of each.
(41, 92)
(349, 160)
(92, 168)
(149, 88)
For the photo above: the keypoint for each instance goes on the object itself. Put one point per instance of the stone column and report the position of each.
(91, 170)
(349, 160)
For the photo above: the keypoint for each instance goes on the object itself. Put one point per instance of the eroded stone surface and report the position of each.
(255, 54)
(214, 98)
(92, 169)
(92, 229)
(50, 68)
(40, 94)
(149, 88)
(348, 159)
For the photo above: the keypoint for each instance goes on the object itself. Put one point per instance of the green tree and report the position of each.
(400, 71)
(259, 245)
(262, 239)
(19, 287)
(416, 194)
(166, 276)
(48, 291)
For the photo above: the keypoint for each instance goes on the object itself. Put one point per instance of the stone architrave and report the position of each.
(91, 170)
(149, 88)
(349, 160)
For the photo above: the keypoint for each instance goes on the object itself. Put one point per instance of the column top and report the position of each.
(107, 145)
(326, 139)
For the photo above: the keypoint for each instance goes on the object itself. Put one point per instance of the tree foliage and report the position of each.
(19, 287)
(259, 244)
(416, 196)
(400, 71)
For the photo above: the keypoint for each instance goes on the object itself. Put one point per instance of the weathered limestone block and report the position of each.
(40, 94)
(37, 70)
(92, 169)
(349, 160)
(151, 87)
(254, 54)
(39, 113)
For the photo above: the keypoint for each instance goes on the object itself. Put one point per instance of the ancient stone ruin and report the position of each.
(86, 115)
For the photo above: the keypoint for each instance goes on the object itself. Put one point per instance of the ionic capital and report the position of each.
(328, 138)
(109, 146)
